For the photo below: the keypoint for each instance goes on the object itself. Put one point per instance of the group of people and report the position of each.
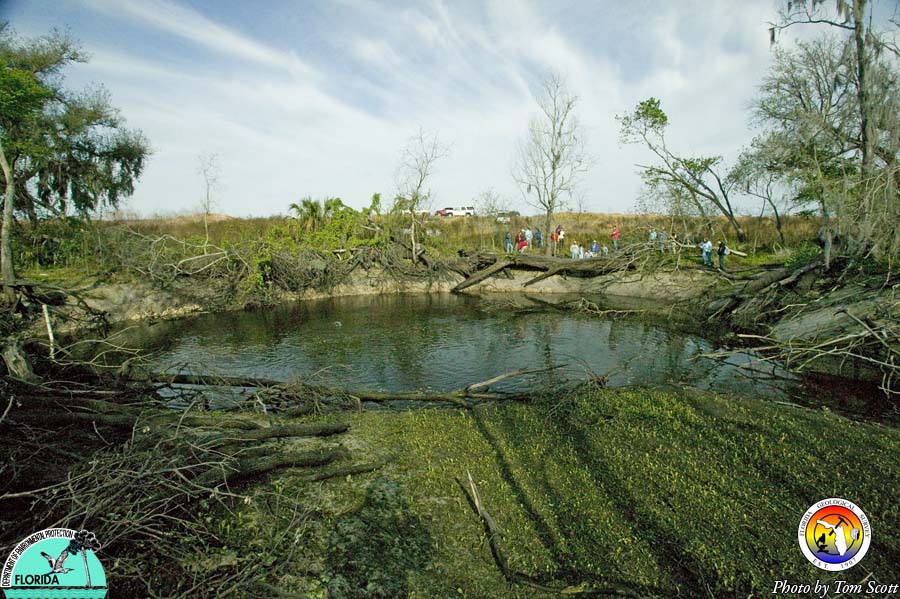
(523, 240)
(578, 251)
(706, 250)
(527, 238)
(660, 240)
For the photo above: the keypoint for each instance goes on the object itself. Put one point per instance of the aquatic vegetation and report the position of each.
(663, 491)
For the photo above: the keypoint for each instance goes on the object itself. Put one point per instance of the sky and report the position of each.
(302, 98)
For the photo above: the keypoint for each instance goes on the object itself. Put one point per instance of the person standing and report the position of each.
(529, 235)
(595, 248)
(615, 237)
(509, 245)
(722, 252)
(560, 239)
(573, 250)
(538, 239)
(652, 237)
(706, 252)
(662, 241)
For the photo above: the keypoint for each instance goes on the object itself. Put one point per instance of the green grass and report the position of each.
(669, 492)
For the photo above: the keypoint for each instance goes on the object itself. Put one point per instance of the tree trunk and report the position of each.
(741, 236)
(7, 271)
(862, 59)
(778, 222)
(827, 236)
(548, 224)
(17, 362)
(412, 235)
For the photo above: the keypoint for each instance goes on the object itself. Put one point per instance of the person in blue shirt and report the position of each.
(595, 248)
(509, 247)
(538, 238)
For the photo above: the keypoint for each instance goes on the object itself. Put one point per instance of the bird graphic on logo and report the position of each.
(56, 566)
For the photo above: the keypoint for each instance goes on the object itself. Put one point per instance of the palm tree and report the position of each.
(309, 213)
(332, 206)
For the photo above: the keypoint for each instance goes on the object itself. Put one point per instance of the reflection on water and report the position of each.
(440, 342)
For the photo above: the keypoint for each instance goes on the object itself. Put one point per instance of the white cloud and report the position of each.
(292, 118)
(193, 26)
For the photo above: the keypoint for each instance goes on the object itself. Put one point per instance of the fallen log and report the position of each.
(256, 467)
(543, 276)
(774, 276)
(552, 266)
(299, 392)
(303, 429)
(481, 275)
(205, 380)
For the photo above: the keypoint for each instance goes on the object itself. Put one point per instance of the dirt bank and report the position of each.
(675, 285)
(139, 300)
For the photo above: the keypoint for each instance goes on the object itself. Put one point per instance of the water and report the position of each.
(442, 342)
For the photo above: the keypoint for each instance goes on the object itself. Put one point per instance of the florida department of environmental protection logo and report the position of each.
(834, 534)
(57, 563)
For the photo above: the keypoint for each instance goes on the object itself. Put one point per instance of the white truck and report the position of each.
(459, 211)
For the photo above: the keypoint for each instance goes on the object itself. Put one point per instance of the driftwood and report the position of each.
(482, 275)
(551, 266)
(203, 380)
(294, 392)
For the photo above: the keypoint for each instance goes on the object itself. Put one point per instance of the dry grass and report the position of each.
(447, 235)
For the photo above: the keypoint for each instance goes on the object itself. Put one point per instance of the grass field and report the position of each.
(670, 493)
(485, 233)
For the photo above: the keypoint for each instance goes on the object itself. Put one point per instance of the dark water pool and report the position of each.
(443, 342)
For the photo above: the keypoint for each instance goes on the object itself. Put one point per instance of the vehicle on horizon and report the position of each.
(504, 217)
(460, 211)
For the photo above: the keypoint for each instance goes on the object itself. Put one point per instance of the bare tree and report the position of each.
(417, 163)
(489, 205)
(208, 168)
(552, 157)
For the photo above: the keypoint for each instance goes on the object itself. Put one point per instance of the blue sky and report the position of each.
(303, 98)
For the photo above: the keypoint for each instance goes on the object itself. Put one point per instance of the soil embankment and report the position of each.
(795, 309)
(140, 300)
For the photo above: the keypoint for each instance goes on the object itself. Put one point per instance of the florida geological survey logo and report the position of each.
(834, 534)
(57, 563)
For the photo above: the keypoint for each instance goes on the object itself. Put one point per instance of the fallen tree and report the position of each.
(549, 265)
(137, 472)
(301, 397)
(808, 316)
